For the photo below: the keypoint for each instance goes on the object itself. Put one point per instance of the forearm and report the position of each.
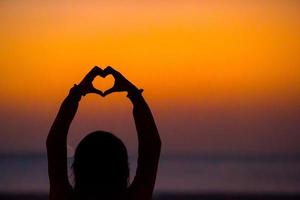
(148, 136)
(66, 113)
(57, 140)
(149, 146)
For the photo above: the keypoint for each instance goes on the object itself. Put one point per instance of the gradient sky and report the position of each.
(221, 78)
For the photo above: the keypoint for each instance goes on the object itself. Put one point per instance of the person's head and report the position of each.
(100, 164)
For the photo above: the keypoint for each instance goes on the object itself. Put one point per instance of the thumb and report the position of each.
(109, 91)
(96, 91)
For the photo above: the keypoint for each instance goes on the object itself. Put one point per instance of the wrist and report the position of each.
(75, 92)
(134, 93)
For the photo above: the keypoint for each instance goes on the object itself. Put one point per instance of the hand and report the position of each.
(121, 83)
(86, 85)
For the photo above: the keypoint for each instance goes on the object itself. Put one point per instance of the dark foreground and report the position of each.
(166, 196)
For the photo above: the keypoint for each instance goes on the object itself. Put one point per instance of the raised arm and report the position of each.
(149, 146)
(149, 143)
(56, 143)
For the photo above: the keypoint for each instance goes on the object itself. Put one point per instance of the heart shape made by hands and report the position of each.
(104, 83)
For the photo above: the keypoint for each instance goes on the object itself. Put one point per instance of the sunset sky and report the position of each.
(221, 77)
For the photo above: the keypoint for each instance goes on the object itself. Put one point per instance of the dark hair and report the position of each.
(100, 165)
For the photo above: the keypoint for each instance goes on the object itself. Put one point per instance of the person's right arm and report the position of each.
(149, 146)
(60, 188)
(149, 143)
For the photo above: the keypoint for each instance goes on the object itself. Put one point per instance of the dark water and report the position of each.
(192, 175)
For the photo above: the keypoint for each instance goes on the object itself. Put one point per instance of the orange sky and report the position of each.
(233, 66)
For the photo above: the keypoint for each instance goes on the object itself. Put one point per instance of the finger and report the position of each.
(94, 72)
(109, 70)
(97, 71)
(96, 91)
(95, 68)
(109, 91)
(99, 92)
(89, 77)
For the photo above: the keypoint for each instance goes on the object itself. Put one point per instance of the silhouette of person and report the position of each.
(101, 163)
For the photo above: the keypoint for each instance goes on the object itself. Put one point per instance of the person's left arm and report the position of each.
(57, 147)
(56, 143)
